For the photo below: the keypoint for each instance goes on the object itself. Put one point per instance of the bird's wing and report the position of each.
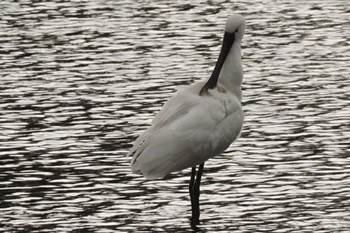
(187, 131)
(173, 109)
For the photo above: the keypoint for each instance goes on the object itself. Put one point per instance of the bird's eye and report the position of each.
(236, 30)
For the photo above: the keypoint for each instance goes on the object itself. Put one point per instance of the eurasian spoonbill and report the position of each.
(198, 122)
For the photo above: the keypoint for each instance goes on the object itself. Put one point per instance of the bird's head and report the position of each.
(235, 24)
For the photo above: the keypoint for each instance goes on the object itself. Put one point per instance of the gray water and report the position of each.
(81, 79)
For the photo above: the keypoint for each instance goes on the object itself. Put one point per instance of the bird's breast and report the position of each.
(211, 123)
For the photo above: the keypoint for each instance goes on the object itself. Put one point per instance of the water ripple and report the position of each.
(80, 80)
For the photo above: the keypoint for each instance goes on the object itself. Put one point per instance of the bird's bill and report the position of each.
(227, 43)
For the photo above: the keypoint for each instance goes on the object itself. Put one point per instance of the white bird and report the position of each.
(198, 122)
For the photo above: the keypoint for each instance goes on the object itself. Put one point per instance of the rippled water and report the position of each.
(81, 79)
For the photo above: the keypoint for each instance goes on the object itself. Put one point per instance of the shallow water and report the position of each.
(80, 80)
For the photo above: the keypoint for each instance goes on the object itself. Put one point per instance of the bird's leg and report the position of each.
(191, 189)
(195, 192)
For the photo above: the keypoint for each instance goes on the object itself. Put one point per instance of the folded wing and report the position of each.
(186, 132)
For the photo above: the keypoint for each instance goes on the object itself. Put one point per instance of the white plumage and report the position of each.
(198, 122)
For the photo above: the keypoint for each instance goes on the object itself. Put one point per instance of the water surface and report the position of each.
(80, 80)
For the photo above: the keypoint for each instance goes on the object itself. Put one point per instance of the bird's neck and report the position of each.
(231, 74)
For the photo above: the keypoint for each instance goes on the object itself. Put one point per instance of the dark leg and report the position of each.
(191, 189)
(195, 192)
(196, 188)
